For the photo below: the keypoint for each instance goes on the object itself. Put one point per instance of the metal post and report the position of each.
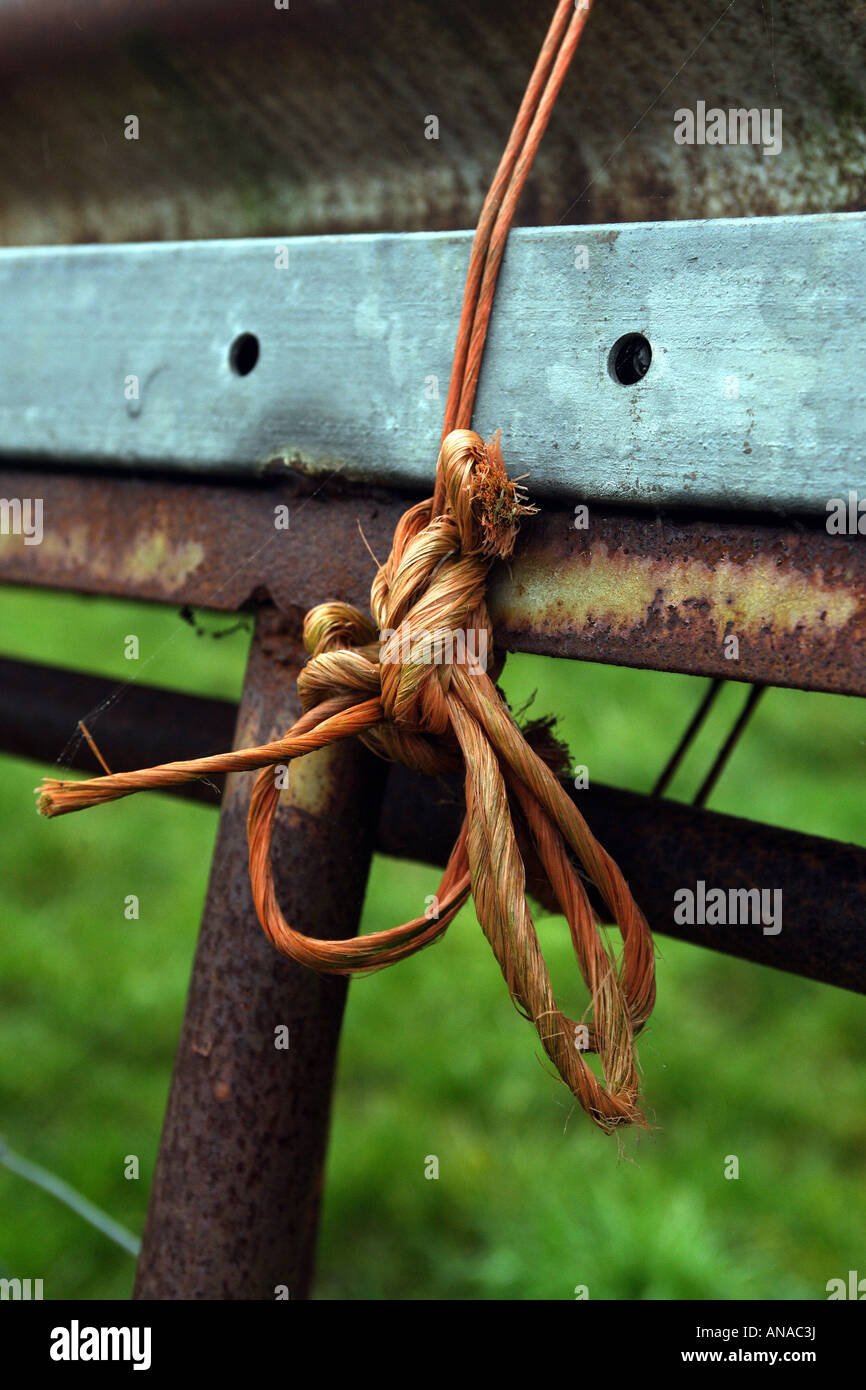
(235, 1194)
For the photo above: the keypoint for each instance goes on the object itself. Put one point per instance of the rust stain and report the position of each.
(152, 556)
(311, 787)
(664, 594)
(619, 592)
(172, 562)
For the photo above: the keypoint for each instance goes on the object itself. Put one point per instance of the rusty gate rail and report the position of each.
(661, 845)
(632, 590)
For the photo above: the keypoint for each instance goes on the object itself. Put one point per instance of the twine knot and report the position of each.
(422, 671)
(429, 609)
(400, 681)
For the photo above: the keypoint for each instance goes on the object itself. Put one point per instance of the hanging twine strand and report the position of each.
(374, 679)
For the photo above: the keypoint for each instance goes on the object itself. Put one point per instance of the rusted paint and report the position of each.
(611, 589)
(631, 590)
(667, 594)
(152, 559)
(310, 787)
(219, 543)
(233, 1206)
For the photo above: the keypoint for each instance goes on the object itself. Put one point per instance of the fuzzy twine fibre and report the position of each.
(434, 717)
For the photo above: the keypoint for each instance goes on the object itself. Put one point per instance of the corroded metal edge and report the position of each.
(773, 604)
(648, 592)
(662, 846)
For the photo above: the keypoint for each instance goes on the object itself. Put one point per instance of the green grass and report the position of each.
(531, 1200)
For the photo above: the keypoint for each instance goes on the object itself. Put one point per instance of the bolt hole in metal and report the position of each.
(629, 359)
(244, 353)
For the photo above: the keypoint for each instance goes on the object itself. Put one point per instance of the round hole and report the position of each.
(244, 353)
(629, 359)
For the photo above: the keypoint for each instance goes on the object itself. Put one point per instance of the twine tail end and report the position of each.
(50, 798)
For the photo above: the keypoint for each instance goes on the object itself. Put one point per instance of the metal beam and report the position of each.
(662, 846)
(343, 148)
(649, 592)
(754, 397)
(235, 1196)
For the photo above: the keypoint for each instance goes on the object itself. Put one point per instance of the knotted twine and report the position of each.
(389, 692)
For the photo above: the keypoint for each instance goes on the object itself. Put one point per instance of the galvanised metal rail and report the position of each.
(332, 354)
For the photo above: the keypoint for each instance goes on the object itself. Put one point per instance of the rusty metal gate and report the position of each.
(708, 479)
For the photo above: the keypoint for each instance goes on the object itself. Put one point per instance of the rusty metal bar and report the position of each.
(669, 594)
(771, 604)
(235, 1195)
(664, 846)
(661, 845)
(133, 725)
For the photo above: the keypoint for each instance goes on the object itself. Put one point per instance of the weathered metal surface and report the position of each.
(133, 725)
(662, 846)
(754, 398)
(234, 1200)
(192, 543)
(665, 846)
(669, 594)
(258, 121)
(629, 590)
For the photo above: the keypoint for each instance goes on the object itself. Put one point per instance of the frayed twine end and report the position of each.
(500, 501)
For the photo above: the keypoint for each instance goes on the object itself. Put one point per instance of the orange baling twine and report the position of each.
(430, 716)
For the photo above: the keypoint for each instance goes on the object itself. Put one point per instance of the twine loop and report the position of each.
(432, 716)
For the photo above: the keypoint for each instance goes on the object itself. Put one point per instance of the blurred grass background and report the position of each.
(531, 1199)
